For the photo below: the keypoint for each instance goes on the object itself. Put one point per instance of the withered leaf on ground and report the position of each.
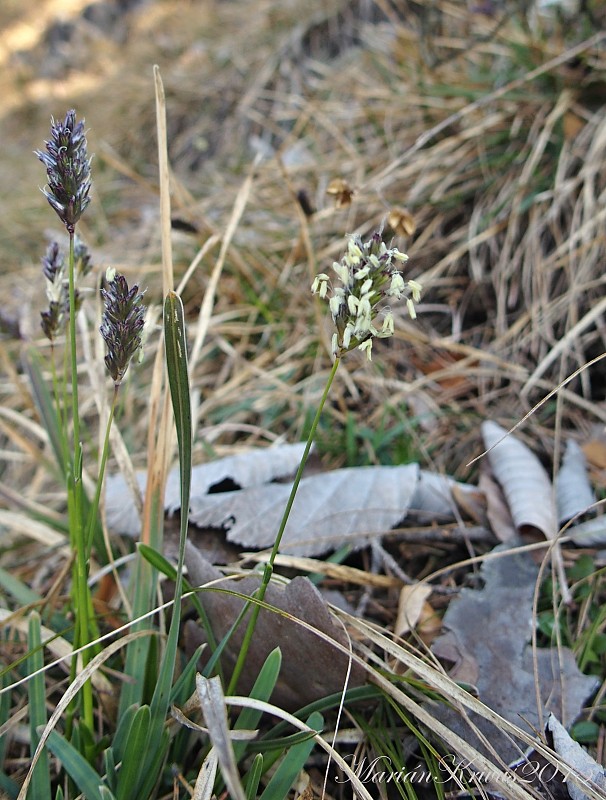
(240, 471)
(578, 759)
(574, 494)
(345, 506)
(497, 510)
(523, 479)
(489, 643)
(311, 667)
(350, 506)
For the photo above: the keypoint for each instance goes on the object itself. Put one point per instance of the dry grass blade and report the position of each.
(454, 693)
(163, 170)
(340, 572)
(212, 702)
(159, 445)
(209, 295)
(35, 530)
(203, 789)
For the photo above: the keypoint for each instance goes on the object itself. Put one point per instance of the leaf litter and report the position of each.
(311, 666)
(488, 644)
(241, 495)
(486, 633)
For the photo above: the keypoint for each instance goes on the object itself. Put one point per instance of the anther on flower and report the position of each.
(67, 169)
(368, 278)
(121, 325)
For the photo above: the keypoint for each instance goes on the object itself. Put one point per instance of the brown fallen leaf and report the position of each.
(497, 510)
(410, 607)
(311, 667)
(595, 452)
(442, 365)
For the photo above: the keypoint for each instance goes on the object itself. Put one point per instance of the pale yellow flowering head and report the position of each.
(368, 277)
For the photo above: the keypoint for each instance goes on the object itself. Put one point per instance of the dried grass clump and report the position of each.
(486, 129)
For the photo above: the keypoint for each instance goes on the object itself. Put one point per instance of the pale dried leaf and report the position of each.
(574, 494)
(434, 495)
(590, 533)
(345, 506)
(578, 759)
(523, 479)
(244, 470)
(410, 606)
(311, 667)
(497, 511)
(203, 790)
(489, 634)
(212, 702)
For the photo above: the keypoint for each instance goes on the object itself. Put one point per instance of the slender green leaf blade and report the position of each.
(254, 777)
(261, 690)
(178, 380)
(77, 767)
(40, 787)
(292, 764)
(133, 766)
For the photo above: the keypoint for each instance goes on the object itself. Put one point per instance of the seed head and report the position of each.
(122, 324)
(53, 266)
(367, 275)
(67, 169)
(82, 258)
(52, 262)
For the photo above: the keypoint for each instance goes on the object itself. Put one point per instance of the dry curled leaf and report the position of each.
(497, 510)
(311, 666)
(524, 481)
(574, 494)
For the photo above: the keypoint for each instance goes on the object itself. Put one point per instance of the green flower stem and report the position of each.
(81, 597)
(60, 406)
(269, 567)
(94, 509)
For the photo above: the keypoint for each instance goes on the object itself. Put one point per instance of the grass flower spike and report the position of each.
(122, 324)
(67, 169)
(53, 267)
(368, 277)
(82, 257)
